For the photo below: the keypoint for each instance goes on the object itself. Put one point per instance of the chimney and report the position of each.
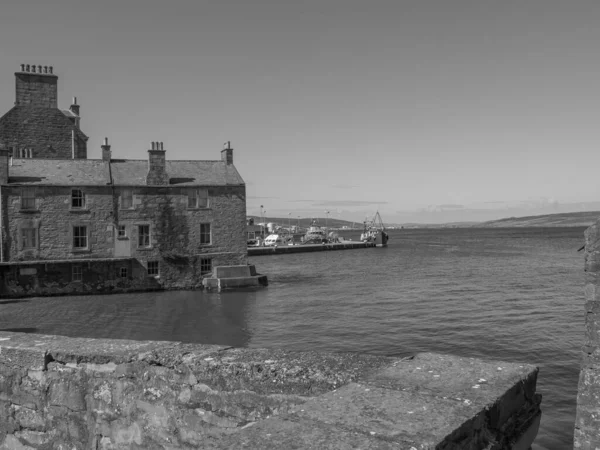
(105, 150)
(227, 154)
(4, 163)
(74, 108)
(157, 170)
(36, 87)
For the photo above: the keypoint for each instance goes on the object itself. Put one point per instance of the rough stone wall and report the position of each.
(37, 90)
(587, 422)
(174, 230)
(54, 219)
(98, 276)
(75, 393)
(47, 131)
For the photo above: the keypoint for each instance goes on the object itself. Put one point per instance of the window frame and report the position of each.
(205, 266)
(140, 235)
(25, 199)
(79, 236)
(155, 270)
(124, 229)
(76, 273)
(204, 233)
(200, 198)
(29, 235)
(129, 197)
(123, 272)
(80, 198)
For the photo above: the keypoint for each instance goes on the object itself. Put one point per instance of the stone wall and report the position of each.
(75, 393)
(587, 422)
(97, 276)
(174, 232)
(36, 90)
(46, 131)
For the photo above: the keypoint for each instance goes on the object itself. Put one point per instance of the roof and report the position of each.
(181, 173)
(125, 172)
(60, 172)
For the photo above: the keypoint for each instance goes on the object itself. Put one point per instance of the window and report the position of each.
(202, 198)
(198, 198)
(143, 235)
(153, 268)
(122, 272)
(77, 199)
(192, 198)
(127, 199)
(80, 237)
(122, 231)
(76, 273)
(205, 233)
(28, 236)
(205, 265)
(28, 198)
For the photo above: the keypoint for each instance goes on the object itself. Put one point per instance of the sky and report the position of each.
(427, 111)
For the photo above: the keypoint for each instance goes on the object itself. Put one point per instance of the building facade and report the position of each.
(80, 225)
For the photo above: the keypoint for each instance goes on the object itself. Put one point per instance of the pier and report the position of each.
(277, 250)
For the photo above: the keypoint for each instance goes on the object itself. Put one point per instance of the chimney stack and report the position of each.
(227, 154)
(74, 108)
(106, 150)
(157, 166)
(36, 86)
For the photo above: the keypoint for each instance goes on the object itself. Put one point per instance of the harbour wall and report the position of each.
(77, 393)
(587, 421)
(284, 249)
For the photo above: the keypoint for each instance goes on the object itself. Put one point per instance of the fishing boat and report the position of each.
(374, 231)
(315, 234)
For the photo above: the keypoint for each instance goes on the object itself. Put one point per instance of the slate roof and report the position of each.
(125, 172)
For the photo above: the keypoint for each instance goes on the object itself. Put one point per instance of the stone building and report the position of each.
(35, 127)
(83, 224)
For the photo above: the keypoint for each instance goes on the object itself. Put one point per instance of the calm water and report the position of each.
(509, 294)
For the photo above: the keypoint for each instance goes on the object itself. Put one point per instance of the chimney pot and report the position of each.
(27, 68)
(74, 100)
(40, 69)
(45, 69)
(105, 141)
(22, 67)
(50, 69)
(162, 146)
(33, 68)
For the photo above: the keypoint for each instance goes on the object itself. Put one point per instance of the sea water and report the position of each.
(504, 294)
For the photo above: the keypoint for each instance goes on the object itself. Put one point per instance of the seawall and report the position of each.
(277, 250)
(587, 421)
(77, 393)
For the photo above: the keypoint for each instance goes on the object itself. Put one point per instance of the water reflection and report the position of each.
(188, 316)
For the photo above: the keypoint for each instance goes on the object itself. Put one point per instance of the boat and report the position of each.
(315, 234)
(273, 240)
(374, 231)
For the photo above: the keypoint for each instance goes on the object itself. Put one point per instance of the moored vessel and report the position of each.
(374, 231)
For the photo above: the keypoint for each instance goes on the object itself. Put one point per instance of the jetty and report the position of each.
(277, 250)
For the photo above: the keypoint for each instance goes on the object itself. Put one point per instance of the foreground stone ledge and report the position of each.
(60, 392)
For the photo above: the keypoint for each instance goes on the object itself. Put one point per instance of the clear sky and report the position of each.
(425, 110)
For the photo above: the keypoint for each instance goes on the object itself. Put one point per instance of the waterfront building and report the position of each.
(77, 224)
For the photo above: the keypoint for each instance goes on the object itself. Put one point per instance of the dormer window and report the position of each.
(77, 199)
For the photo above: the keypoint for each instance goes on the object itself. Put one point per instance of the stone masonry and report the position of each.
(35, 127)
(587, 422)
(77, 393)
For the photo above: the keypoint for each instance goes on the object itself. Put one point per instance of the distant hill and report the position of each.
(306, 222)
(574, 219)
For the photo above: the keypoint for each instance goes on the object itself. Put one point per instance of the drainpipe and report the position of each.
(73, 143)
(1, 228)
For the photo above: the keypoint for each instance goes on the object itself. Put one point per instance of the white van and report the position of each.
(273, 239)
